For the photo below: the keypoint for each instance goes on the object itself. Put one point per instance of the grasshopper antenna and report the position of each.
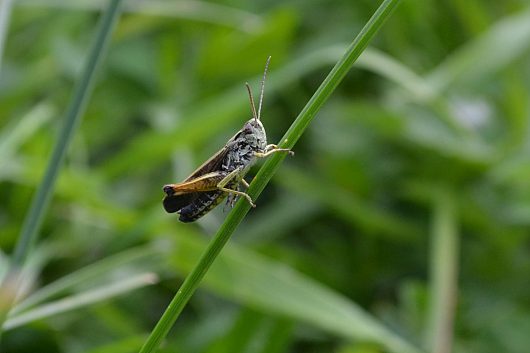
(252, 106)
(263, 86)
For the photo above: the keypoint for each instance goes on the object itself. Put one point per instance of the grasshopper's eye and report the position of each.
(247, 129)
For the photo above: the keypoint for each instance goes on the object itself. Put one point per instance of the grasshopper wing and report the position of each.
(182, 194)
(174, 203)
(211, 165)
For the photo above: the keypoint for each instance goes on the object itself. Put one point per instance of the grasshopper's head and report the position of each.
(253, 130)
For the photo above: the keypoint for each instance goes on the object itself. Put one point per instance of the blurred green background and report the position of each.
(402, 218)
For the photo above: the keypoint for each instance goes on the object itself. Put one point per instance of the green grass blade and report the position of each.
(12, 137)
(444, 273)
(253, 280)
(346, 204)
(394, 71)
(41, 200)
(265, 174)
(86, 274)
(124, 345)
(502, 44)
(203, 11)
(73, 302)
(74, 113)
(5, 14)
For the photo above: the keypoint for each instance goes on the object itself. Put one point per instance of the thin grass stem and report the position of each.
(73, 116)
(443, 274)
(75, 111)
(265, 174)
(5, 14)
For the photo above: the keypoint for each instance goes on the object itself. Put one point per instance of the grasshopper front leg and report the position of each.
(270, 149)
(244, 182)
(222, 186)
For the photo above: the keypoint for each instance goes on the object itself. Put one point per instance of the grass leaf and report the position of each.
(265, 174)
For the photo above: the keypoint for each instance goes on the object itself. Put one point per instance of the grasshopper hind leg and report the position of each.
(229, 181)
(232, 198)
(237, 194)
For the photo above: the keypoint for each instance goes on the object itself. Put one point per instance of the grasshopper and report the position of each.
(223, 174)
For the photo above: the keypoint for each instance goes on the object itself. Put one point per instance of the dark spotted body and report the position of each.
(238, 154)
(204, 202)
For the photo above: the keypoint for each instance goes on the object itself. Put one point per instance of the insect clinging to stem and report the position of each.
(223, 174)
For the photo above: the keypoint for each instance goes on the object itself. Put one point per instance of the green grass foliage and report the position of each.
(400, 225)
